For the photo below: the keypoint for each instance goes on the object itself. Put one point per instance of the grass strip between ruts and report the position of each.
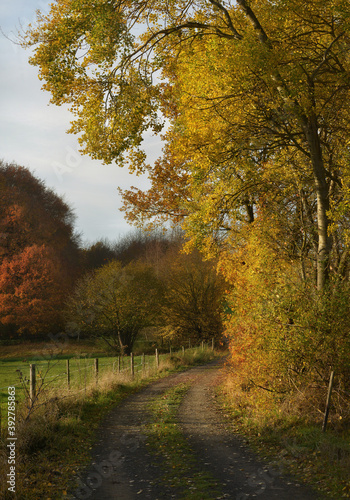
(165, 439)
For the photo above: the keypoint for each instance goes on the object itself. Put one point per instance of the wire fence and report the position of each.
(67, 377)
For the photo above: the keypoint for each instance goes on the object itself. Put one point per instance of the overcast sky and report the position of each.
(33, 134)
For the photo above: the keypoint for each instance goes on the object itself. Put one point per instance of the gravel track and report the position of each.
(123, 468)
(226, 455)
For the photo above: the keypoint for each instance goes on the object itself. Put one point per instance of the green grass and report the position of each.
(319, 458)
(54, 371)
(16, 358)
(181, 473)
(57, 346)
(52, 374)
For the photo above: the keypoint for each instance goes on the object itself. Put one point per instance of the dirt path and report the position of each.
(123, 468)
(225, 455)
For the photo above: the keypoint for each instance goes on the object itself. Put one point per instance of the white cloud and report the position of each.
(33, 134)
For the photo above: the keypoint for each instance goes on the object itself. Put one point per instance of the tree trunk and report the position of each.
(322, 193)
(121, 344)
(310, 127)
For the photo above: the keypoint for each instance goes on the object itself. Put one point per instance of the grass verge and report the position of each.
(278, 428)
(181, 474)
(67, 420)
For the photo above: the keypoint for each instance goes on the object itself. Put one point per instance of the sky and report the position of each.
(33, 134)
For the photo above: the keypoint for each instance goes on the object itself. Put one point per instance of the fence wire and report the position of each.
(87, 374)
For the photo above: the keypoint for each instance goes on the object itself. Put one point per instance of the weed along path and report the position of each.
(170, 441)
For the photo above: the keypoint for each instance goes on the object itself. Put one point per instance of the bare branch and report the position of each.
(228, 18)
(325, 55)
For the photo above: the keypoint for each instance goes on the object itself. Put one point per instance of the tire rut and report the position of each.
(226, 456)
(123, 468)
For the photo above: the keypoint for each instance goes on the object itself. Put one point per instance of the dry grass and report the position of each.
(289, 425)
(62, 419)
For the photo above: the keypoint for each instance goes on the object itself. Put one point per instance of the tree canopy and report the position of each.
(39, 253)
(192, 298)
(252, 100)
(114, 303)
(255, 95)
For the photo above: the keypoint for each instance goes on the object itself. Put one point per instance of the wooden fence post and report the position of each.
(0, 419)
(212, 344)
(32, 379)
(118, 364)
(143, 363)
(96, 370)
(328, 402)
(132, 367)
(183, 350)
(157, 359)
(68, 374)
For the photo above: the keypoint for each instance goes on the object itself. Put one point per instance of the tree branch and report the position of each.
(228, 18)
(255, 22)
(159, 35)
(324, 59)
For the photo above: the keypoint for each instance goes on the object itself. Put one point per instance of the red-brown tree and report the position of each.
(39, 253)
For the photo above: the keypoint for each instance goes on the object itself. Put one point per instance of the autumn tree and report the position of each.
(241, 83)
(192, 299)
(150, 247)
(39, 257)
(33, 284)
(114, 303)
(32, 213)
(284, 336)
(255, 96)
(97, 254)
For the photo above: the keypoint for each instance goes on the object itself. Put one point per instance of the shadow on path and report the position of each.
(124, 469)
(225, 455)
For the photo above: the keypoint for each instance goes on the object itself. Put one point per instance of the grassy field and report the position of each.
(51, 368)
(49, 359)
(54, 371)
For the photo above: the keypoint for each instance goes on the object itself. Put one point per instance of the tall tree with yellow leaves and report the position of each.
(243, 84)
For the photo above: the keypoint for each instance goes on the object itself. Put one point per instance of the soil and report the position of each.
(124, 468)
